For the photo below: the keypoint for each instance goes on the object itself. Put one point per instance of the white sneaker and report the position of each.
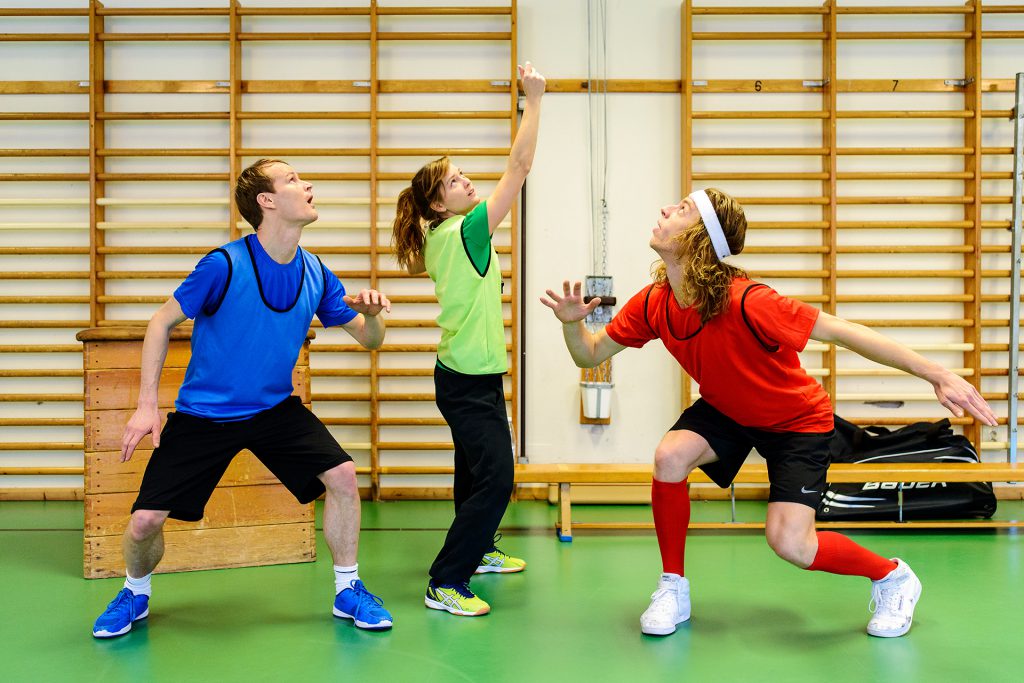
(894, 599)
(670, 605)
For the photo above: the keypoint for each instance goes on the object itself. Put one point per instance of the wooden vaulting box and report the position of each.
(251, 519)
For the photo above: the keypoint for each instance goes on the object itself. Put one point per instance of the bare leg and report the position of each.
(789, 528)
(342, 513)
(143, 542)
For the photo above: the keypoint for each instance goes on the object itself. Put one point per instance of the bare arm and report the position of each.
(520, 158)
(587, 349)
(417, 265)
(368, 327)
(953, 391)
(146, 418)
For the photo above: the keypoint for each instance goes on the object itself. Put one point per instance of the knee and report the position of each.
(791, 547)
(671, 464)
(146, 523)
(341, 480)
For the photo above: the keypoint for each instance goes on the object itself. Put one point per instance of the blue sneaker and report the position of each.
(362, 607)
(117, 619)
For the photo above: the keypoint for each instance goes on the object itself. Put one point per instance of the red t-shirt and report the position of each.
(745, 358)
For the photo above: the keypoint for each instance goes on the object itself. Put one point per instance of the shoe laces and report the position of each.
(885, 597)
(496, 550)
(124, 596)
(366, 599)
(460, 588)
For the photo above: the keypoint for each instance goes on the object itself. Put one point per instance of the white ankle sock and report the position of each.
(344, 576)
(141, 586)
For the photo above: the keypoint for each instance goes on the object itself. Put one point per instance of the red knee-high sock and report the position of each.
(670, 502)
(837, 554)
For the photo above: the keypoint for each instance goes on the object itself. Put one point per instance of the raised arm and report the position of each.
(146, 418)
(587, 349)
(520, 159)
(953, 391)
(368, 327)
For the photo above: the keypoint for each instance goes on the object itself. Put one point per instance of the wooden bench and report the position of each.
(565, 475)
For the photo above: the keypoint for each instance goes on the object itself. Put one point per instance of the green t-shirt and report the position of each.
(461, 261)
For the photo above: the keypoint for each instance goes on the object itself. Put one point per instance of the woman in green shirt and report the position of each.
(442, 227)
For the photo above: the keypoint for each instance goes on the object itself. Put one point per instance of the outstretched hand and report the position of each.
(533, 82)
(570, 308)
(368, 302)
(959, 396)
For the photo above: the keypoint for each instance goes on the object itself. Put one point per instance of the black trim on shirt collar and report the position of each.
(669, 300)
(224, 292)
(465, 247)
(743, 311)
(259, 283)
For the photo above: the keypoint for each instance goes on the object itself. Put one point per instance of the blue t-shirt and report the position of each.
(204, 288)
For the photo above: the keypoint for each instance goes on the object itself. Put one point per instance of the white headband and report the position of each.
(711, 223)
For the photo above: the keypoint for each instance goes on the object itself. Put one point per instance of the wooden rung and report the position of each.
(42, 324)
(1002, 35)
(41, 348)
(750, 11)
(45, 226)
(965, 346)
(44, 275)
(161, 11)
(904, 298)
(905, 273)
(41, 422)
(904, 200)
(39, 251)
(442, 151)
(444, 36)
(42, 12)
(154, 250)
(38, 201)
(159, 225)
(44, 116)
(36, 471)
(904, 35)
(905, 249)
(443, 11)
(298, 115)
(303, 11)
(786, 250)
(754, 35)
(413, 469)
(445, 115)
(883, 9)
(39, 398)
(904, 151)
(162, 115)
(304, 36)
(900, 114)
(743, 175)
(162, 176)
(903, 225)
(758, 151)
(44, 153)
(160, 37)
(414, 446)
(790, 273)
(56, 372)
(140, 152)
(40, 446)
(43, 37)
(787, 225)
(759, 115)
(44, 177)
(162, 201)
(782, 201)
(905, 175)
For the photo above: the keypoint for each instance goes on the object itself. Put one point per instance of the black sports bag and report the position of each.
(918, 442)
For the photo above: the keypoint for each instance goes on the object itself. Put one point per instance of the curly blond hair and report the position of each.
(706, 280)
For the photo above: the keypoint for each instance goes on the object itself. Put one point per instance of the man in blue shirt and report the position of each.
(252, 301)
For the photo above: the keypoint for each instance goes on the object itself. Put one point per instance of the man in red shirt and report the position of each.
(739, 340)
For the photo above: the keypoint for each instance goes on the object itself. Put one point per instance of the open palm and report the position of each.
(569, 307)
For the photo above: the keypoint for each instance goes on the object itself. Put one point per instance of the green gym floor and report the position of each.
(571, 616)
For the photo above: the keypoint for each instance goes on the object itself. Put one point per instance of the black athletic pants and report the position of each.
(474, 407)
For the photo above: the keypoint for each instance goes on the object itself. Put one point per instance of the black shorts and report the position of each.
(797, 461)
(194, 452)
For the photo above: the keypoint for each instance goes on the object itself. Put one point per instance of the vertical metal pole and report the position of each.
(1018, 173)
